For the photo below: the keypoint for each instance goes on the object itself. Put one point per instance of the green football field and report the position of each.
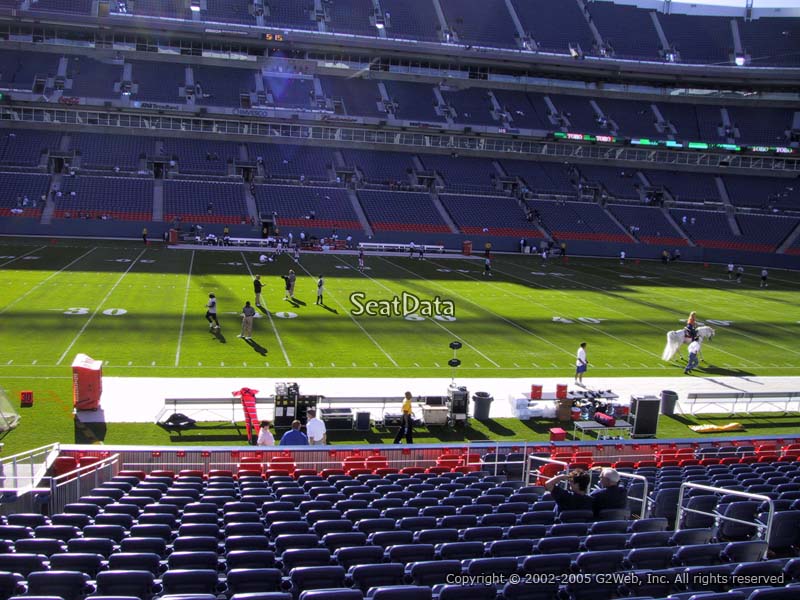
(141, 310)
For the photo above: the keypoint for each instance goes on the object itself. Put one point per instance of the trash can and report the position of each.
(466, 248)
(483, 402)
(668, 401)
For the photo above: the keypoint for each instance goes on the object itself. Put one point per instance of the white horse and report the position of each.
(675, 339)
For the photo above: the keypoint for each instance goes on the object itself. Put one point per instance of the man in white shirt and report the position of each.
(622, 257)
(694, 351)
(580, 364)
(730, 270)
(315, 429)
(764, 274)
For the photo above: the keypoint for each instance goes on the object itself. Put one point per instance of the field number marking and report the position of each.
(586, 320)
(720, 323)
(286, 315)
(82, 310)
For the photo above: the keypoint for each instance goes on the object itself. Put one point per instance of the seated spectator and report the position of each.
(575, 496)
(294, 437)
(610, 494)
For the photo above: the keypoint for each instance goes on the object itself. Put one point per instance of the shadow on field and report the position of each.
(256, 347)
(90, 433)
(496, 428)
(223, 432)
(217, 333)
(724, 371)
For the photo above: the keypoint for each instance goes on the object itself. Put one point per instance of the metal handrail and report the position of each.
(29, 458)
(645, 498)
(766, 529)
(543, 460)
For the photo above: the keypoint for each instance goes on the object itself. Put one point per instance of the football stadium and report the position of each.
(399, 299)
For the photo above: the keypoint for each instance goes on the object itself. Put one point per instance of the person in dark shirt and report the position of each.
(574, 498)
(610, 495)
(294, 437)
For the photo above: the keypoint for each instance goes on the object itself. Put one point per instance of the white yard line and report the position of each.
(183, 314)
(546, 307)
(41, 283)
(483, 308)
(434, 321)
(352, 318)
(99, 306)
(269, 316)
(8, 262)
(605, 291)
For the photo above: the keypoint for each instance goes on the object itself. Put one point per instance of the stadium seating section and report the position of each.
(269, 523)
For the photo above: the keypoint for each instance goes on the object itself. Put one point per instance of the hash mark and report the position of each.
(153, 364)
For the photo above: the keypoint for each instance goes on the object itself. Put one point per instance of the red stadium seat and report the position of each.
(412, 470)
(329, 472)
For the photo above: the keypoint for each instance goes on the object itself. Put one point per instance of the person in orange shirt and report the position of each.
(691, 326)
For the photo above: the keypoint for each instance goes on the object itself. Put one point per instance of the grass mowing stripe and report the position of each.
(734, 330)
(434, 321)
(352, 318)
(48, 278)
(501, 317)
(183, 314)
(8, 262)
(618, 297)
(590, 326)
(269, 316)
(99, 306)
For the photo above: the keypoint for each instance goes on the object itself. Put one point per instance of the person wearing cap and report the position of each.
(211, 312)
(611, 495)
(406, 422)
(315, 429)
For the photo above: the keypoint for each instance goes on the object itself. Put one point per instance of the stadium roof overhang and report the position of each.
(545, 64)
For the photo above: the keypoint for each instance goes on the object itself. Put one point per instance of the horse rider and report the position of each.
(690, 331)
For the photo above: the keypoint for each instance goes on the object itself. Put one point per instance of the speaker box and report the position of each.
(644, 416)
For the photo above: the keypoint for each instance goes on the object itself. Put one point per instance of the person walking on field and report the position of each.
(211, 312)
(406, 422)
(694, 353)
(581, 364)
(257, 287)
(764, 275)
(144, 236)
(248, 313)
(320, 290)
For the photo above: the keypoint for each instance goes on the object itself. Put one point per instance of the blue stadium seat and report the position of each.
(408, 553)
(515, 547)
(364, 577)
(331, 594)
(649, 558)
(195, 559)
(558, 545)
(87, 563)
(649, 524)
(505, 566)
(359, 555)
(56, 532)
(464, 592)
(606, 541)
(774, 594)
(687, 537)
(290, 541)
(316, 578)
(390, 538)
(41, 546)
(305, 557)
(436, 536)
(697, 555)
(253, 580)
(650, 539)
(400, 592)
(247, 542)
(135, 561)
(332, 541)
(22, 563)
(432, 572)
(460, 550)
(69, 585)
(136, 583)
(190, 581)
(30, 520)
(741, 552)
(604, 561)
(482, 534)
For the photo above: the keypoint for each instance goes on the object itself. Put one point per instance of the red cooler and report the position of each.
(466, 248)
(561, 391)
(536, 392)
(173, 236)
(87, 382)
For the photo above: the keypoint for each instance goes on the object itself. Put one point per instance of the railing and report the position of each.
(536, 472)
(762, 529)
(645, 491)
(23, 472)
(69, 487)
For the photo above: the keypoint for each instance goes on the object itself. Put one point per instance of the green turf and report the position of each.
(526, 321)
